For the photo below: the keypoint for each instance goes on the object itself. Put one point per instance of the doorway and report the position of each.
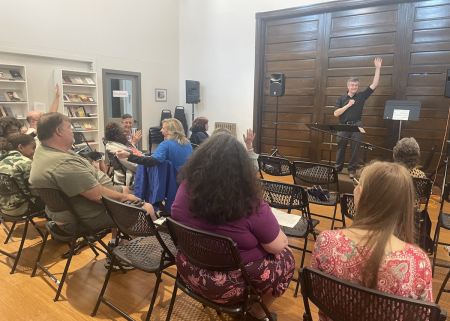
(122, 95)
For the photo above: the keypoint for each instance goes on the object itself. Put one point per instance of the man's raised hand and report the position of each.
(377, 62)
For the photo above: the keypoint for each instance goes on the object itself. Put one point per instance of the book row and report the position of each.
(9, 96)
(78, 98)
(83, 80)
(83, 126)
(6, 111)
(10, 74)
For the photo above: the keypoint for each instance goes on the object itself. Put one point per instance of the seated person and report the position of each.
(407, 152)
(117, 140)
(175, 147)
(8, 126)
(127, 125)
(378, 250)
(16, 155)
(220, 194)
(33, 115)
(56, 166)
(199, 130)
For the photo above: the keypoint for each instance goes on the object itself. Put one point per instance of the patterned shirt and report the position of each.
(404, 273)
(19, 167)
(414, 172)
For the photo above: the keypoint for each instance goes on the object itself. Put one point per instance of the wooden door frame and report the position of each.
(261, 20)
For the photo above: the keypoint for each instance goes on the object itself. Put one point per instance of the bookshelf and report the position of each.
(79, 111)
(16, 85)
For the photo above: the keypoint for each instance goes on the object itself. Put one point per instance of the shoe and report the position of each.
(352, 175)
(265, 318)
(116, 267)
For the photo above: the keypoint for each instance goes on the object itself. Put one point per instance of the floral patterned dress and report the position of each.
(404, 273)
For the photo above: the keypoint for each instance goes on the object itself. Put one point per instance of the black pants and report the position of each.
(354, 149)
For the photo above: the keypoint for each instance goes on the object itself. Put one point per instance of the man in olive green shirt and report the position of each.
(56, 166)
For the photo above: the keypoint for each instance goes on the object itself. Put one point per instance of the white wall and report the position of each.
(139, 35)
(217, 48)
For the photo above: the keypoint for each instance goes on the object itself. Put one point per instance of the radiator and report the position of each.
(230, 126)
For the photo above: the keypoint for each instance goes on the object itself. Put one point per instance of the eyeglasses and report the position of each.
(355, 182)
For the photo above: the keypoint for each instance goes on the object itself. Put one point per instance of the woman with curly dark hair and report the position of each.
(219, 193)
(8, 126)
(117, 140)
(199, 130)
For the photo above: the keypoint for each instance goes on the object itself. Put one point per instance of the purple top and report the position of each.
(247, 232)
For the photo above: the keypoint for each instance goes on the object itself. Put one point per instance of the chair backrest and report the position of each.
(79, 138)
(205, 250)
(274, 166)
(429, 158)
(285, 196)
(181, 116)
(194, 146)
(341, 301)
(133, 220)
(165, 113)
(422, 189)
(348, 207)
(313, 173)
(115, 163)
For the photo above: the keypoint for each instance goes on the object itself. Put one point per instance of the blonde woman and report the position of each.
(378, 250)
(175, 147)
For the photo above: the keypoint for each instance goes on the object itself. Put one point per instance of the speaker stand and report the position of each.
(193, 114)
(275, 150)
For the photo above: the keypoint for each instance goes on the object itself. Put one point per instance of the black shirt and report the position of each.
(354, 113)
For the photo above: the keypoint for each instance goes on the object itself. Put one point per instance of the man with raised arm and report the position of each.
(349, 108)
(34, 115)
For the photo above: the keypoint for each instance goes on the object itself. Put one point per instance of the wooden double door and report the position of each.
(318, 52)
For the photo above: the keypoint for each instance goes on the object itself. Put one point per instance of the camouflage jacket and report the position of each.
(19, 167)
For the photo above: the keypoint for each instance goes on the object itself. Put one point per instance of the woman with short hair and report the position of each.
(407, 152)
(378, 250)
(199, 130)
(175, 147)
(220, 193)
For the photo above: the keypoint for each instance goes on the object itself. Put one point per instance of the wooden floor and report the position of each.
(25, 298)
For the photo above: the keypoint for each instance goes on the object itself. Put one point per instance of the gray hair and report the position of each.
(407, 151)
(352, 79)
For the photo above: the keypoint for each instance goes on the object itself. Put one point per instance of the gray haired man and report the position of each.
(349, 109)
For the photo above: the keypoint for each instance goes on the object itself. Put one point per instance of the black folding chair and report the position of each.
(58, 201)
(312, 173)
(117, 166)
(274, 166)
(151, 251)
(292, 197)
(9, 189)
(348, 206)
(340, 300)
(214, 253)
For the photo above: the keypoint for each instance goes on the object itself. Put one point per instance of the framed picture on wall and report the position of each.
(160, 94)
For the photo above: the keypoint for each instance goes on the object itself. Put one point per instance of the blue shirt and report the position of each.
(172, 151)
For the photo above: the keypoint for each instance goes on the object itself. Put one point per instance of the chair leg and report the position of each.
(25, 229)
(40, 254)
(301, 265)
(10, 232)
(102, 292)
(91, 246)
(36, 227)
(66, 269)
(172, 300)
(334, 218)
(155, 293)
(436, 236)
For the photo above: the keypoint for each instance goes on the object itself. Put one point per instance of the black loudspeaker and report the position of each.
(192, 92)
(447, 85)
(277, 85)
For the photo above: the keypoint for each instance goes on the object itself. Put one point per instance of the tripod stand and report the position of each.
(275, 149)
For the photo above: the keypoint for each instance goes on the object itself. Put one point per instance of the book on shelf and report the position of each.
(3, 97)
(15, 74)
(81, 111)
(88, 126)
(74, 98)
(77, 126)
(2, 75)
(12, 95)
(78, 80)
(73, 111)
(7, 111)
(83, 98)
(66, 80)
(2, 112)
(66, 98)
(90, 99)
(89, 81)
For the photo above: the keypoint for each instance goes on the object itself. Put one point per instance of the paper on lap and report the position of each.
(285, 219)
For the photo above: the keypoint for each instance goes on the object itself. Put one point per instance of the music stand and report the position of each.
(402, 110)
(329, 129)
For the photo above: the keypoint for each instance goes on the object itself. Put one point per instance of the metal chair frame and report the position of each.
(342, 300)
(348, 207)
(58, 201)
(291, 197)
(8, 188)
(140, 224)
(217, 253)
(330, 176)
